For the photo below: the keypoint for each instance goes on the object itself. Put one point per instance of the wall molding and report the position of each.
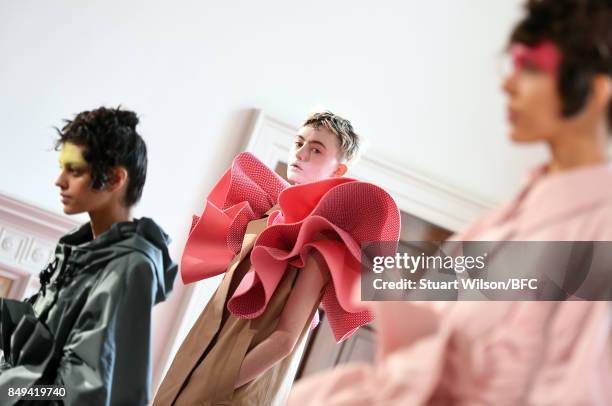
(28, 235)
(415, 193)
(47, 222)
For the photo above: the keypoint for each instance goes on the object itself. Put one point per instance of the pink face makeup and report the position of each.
(544, 56)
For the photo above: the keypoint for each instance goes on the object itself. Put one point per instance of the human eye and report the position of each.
(299, 144)
(530, 67)
(316, 150)
(74, 170)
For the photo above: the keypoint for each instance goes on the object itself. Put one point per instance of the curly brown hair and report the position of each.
(582, 30)
(340, 127)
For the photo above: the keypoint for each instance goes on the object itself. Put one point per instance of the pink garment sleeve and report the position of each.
(245, 192)
(391, 382)
(475, 357)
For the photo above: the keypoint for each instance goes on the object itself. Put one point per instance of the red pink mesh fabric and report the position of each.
(333, 216)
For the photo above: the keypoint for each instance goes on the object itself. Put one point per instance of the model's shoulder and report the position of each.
(132, 261)
(596, 221)
(337, 197)
(589, 223)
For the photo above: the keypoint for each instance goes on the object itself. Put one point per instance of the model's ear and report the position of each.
(340, 170)
(601, 92)
(118, 178)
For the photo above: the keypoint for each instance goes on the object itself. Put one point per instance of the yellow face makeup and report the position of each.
(71, 157)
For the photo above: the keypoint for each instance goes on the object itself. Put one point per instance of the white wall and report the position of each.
(419, 79)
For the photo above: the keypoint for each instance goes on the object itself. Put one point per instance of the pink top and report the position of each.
(494, 353)
(333, 216)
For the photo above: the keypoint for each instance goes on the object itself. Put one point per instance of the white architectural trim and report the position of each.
(28, 235)
(25, 213)
(414, 193)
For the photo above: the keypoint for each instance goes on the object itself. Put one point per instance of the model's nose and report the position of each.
(61, 180)
(509, 83)
(302, 153)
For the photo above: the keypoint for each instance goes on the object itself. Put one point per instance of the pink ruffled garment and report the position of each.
(333, 216)
(494, 353)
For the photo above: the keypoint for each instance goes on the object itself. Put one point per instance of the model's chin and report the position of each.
(515, 136)
(293, 177)
(68, 209)
(522, 137)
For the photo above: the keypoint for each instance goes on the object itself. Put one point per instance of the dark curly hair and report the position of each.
(582, 30)
(110, 139)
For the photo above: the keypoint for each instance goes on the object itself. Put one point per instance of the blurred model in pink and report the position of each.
(515, 353)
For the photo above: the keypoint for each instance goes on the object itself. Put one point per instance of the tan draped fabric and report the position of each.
(208, 362)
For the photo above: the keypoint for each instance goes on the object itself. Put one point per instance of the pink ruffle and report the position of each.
(333, 216)
(245, 192)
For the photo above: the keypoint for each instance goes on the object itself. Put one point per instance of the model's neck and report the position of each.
(103, 219)
(571, 151)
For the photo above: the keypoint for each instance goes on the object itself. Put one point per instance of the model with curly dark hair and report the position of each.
(580, 30)
(109, 139)
(88, 328)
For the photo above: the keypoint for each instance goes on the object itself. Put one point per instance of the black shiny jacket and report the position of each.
(89, 326)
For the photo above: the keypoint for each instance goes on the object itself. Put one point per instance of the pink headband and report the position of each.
(545, 56)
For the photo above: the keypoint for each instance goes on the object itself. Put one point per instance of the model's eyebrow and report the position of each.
(72, 166)
(312, 142)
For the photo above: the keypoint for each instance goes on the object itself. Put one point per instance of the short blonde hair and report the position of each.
(340, 127)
